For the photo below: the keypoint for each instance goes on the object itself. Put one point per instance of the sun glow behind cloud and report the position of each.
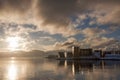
(13, 43)
(37, 28)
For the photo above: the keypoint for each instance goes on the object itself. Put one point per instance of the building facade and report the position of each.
(85, 52)
(75, 51)
(78, 52)
(61, 55)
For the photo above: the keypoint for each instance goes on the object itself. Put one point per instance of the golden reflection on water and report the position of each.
(30, 69)
(73, 70)
(12, 71)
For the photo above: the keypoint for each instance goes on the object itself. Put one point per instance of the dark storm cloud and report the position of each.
(15, 5)
(57, 11)
(60, 12)
(58, 15)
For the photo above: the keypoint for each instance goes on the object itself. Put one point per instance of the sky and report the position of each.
(59, 24)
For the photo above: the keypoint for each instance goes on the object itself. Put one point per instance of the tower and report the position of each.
(75, 51)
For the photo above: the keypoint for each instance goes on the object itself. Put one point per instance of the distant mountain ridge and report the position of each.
(33, 53)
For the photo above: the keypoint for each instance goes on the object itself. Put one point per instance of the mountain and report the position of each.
(33, 53)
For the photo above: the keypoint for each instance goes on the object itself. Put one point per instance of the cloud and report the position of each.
(55, 16)
(42, 43)
(15, 30)
(96, 41)
(20, 17)
(108, 44)
(88, 42)
(66, 44)
(17, 11)
(46, 40)
(93, 32)
(15, 5)
(64, 31)
(10, 29)
(59, 13)
(107, 15)
(56, 11)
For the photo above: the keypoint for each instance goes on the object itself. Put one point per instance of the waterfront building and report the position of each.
(68, 54)
(61, 55)
(75, 51)
(78, 53)
(85, 52)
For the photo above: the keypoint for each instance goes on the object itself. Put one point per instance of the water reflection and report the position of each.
(43, 69)
(26, 69)
(12, 71)
(98, 70)
(78, 66)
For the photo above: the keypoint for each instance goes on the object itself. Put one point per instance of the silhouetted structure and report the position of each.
(75, 51)
(100, 52)
(61, 55)
(78, 53)
(85, 52)
(68, 54)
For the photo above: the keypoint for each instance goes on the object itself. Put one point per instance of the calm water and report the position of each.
(44, 69)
